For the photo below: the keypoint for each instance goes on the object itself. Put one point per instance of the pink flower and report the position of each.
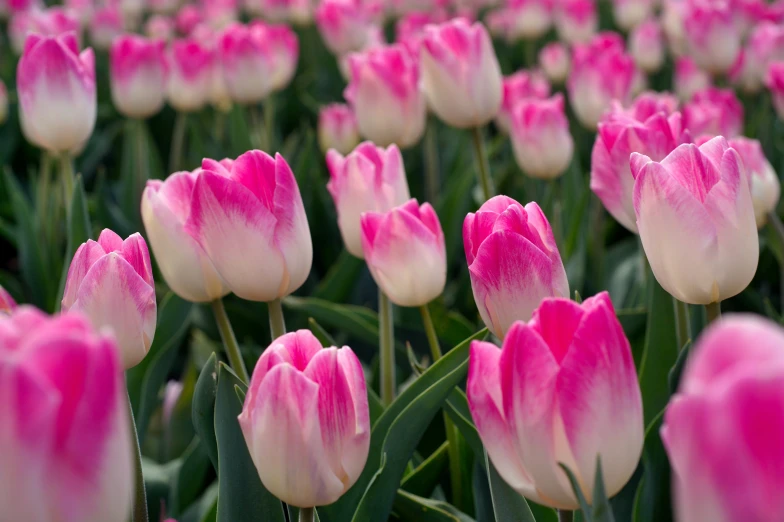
(345, 25)
(576, 21)
(765, 46)
(220, 13)
(673, 12)
(696, 221)
(540, 135)
(518, 87)
(524, 19)
(56, 87)
(106, 25)
(747, 13)
(563, 389)
(370, 179)
(188, 18)
(513, 261)
(405, 251)
(248, 216)
(461, 75)
(110, 281)
(138, 74)
(337, 128)
(65, 421)
(688, 79)
(649, 103)
(7, 303)
(159, 26)
(386, 95)
(629, 13)
(53, 21)
(723, 429)
(714, 112)
(712, 37)
(410, 28)
(775, 82)
(81, 9)
(555, 61)
(306, 420)
(646, 45)
(765, 185)
(191, 65)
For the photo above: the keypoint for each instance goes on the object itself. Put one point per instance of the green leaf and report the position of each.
(321, 334)
(375, 405)
(204, 408)
(577, 490)
(354, 320)
(79, 231)
(413, 508)
(457, 409)
(189, 479)
(425, 477)
(205, 509)
(674, 377)
(508, 504)
(602, 511)
(340, 279)
(653, 502)
(241, 497)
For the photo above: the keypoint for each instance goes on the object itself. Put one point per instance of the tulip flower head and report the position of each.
(191, 65)
(541, 141)
(576, 21)
(107, 24)
(775, 82)
(518, 87)
(765, 46)
(525, 19)
(712, 37)
(689, 79)
(765, 185)
(714, 112)
(345, 25)
(555, 61)
(138, 73)
(646, 45)
(159, 26)
(629, 14)
(337, 128)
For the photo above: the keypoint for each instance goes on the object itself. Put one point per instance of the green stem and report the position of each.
(67, 174)
(485, 181)
(430, 331)
(140, 495)
(44, 198)
(229, 341)
(565, 516)
(683, 332)
(307, 514)
(714, 311)
(178, 142)
(778, 227)
(556, 198)
(432, 168)
(277, 322)
(269, 125)
(386, 348)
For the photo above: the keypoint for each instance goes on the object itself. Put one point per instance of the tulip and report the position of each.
(765, 46)
(188, 18)
(138, 75)
(555, 61)
(673, 12)
(405, 251)
(337, 128)
(714, 112)
(461, 75)
(518, 87)
(722, 431)
(248, 216)
(220, 13)
(646, 46)
(65, 422)
(576, 21)
(712, 38)
(57, 105)
(53, 21)
(630, 13)
(159, 27)
(696, 221)
(386, 95)
(283, 54)
(622, 132)
(525, 19)
(190, 74)
(775, 82)
(765, 185)
(370, 179)
(689, 79)
(747, 13)
(306, 420)
(7, 303)
(410, 28)
(513, 261)
(217, 90)
(110, 281)
(540, 135)
(345, 25)
(3, 103)
(649, 103)
(107, 24)
(562, 389)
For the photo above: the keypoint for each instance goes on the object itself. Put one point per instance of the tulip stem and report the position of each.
(778, 227)
(485, 181)
(269, 125)
(683, 332)
(387, 348)
(67, 173)
(714, 311)
(229, 341)
(307, 514)
(140, 494)
(277, 322)
(565, 515)
(178, 142)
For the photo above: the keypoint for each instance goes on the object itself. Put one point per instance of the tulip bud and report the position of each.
(555, 61)
(630, 13)
(345, 26)
(242, 53)
(563, 389)
(220, 13)
(53, 21)
(282, 54)
(513, 261)
(110, 281)
(7, 303)
(248, 216)
(775, 82)
(386, 95)
(765, 185)
(159, 27)
(712, 38)
(65, 421)
(540, 135)
(370, 179)
(696, 221)
(647, 46)
(107, 24)
(306, 420)
(714, 112)
(410, 28)
(765, 46)
(649, 103)
(689, 79)
(138, 74)
(526, 19)
(747, 13)
(517, 87)
(461, 75)
(188, 18)
(337, 128)
(190, 74)
(576, 21)
(57, 105)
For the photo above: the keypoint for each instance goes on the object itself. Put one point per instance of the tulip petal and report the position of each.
(356, 448)
(84, 258)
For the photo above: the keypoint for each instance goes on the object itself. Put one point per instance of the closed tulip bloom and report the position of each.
(138, 75)
(765, 185)
(405, 251)
(53, 21)
(629, 13)
(723, 429)
(576, 21)
(282, 54)
(106, 24)
(385, 92)
(461, 75)
(518, 87)
(526, 19)
(696, 221)
(562, 389)
(775, 82)
(370, 179)
(543, 146)
(714, 112)
(673, 12)
(248, 216)
(555, 61)
(190, 74)
(7, 303)
(410, 28)
(513, 261)
(57, 105)
(306, 420)
(337, 128)
(65, 421)
(345, 25)
(110, 281)
(159, 26)
(188, 17)
(689, 79)
(765, 46)
(713, 40)
(646, 45)
(648, 103)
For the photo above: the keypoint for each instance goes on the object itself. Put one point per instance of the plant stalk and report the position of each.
(277, 322)
(565, 515)
(714, 311)
(485, 181)
(229, 341)
(67, 174)
(178, 142)
(269, 125)
(387, 348)
(683, 332)
(307, 514)
(140, 494)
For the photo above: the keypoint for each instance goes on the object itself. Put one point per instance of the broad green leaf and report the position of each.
(354, 320)
(653, 502)
(602, 512)
(508, 504)
(578, 492)
(205, 509)
(425, 477)
(457, 409)
(674, 377)
(188, 481)
(321, 334)
(204, 408)
(79, 231)
(340, 279)
(413, 508)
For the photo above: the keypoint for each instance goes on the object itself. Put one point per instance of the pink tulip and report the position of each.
(765, 46)
(519, 87)
(298, 12)
(217, 91)
(220, 13)
(188, 18)
(714, 112)
(563, 389)
(53, 21)
(712, 38)
(370, 179)
(524, 19)
(673, 12)
(461, 75)
(646, 45)
(513, 261)
(337, 128)
(7, 303)
(406, 253)
(775, 12)
(689, 79)
(345, 25)
(306, 420)
(723, 429)
(248, 216)
(576, 21)
(410, 28)
(540, 135)
(555, 61)
(160, 27)
(649, 103)
(191, 65)
(696, 221)
(110, 281)
(57, 105)
(81, 9)
(106, 25)
(65, 421)
(138, 74)
(12, 7)
(630, 13)
(775, 82)
(765, 185)
(747, 13)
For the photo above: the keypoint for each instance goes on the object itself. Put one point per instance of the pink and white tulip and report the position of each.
(518, 87)
(555, 61)
(576, 21)
(630, 13)
(562, 389)
(542, 144)
(53, 21)
(138, 75)
(7, 303)
(525, 19)
(406, 253)
(775, 83)
(722, 430)
(106, 24)
(673, 12)
(337, 129)
(688, 79)
(306, 420)
(646, 45)
(162, 6)
(695, 216)
(345, 25)
(712, 37)
(191, 70)
(649, 103)
(714, 112)
(188, 18)
(765, 185)
(160, 27)
(65, 421)
(410, 28)
(765, 46)
(513, 261)
(220, 13)
(370, 179)
(461, 75)
(248, 216)
(57, 105)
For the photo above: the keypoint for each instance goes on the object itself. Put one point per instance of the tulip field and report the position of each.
(391, 260)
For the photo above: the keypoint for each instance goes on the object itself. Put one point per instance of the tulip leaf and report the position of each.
(79, 231)
(321, 334)
(413, 508)
(425, 477)
(457, 409)
(340, 279)
(189, 480)
(578, 492)
(204, 408)
(653, 502)
(241, 496)
(602, 512)
(355, 320)
(205, 508)
(508, 504)
(674, 377)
